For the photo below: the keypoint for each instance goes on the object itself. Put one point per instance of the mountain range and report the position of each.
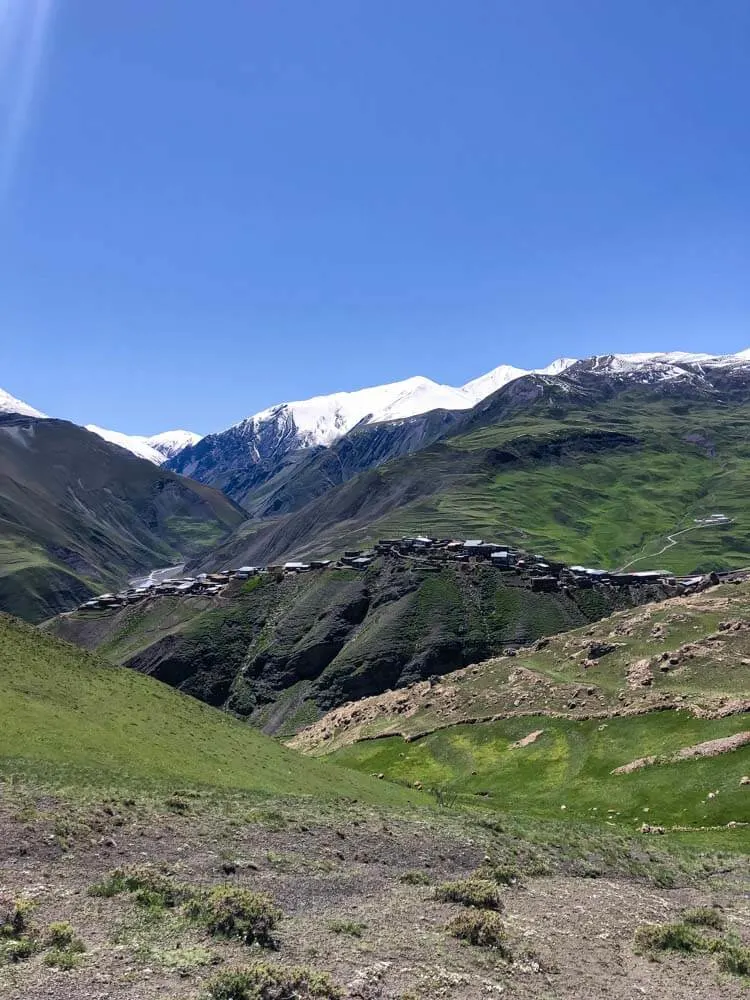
(600, 460)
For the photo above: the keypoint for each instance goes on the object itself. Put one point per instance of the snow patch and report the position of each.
(157, 448)
(9, 404)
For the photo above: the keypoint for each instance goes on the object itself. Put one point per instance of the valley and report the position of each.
(425, 703)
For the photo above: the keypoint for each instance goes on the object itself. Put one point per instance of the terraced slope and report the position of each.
(283, 651)
(543, 731)
(69, 717)
(78, 514)
(690, 652)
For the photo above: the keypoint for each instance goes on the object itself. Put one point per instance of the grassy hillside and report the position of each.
(68, 717)
(78, 514)
(546, 728)
(585, 470)
(282, 652)
(688, 653)
(570, 765)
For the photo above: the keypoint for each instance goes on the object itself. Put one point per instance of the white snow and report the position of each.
(485, 385)
(157, 448)
(323, 419)
(171, 443)
(9, 404)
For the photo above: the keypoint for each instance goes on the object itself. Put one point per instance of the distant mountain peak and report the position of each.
(157, 449)
(9, 404)
(320, 420)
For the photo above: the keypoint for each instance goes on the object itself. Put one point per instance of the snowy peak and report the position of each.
(171, 443)
(479, 388)
(156, 449)
(323, 419)
(9, 404)
(655, 366)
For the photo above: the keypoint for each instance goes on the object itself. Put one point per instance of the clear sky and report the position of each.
(206, 208)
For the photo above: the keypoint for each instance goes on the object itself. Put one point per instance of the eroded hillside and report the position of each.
(282, 650)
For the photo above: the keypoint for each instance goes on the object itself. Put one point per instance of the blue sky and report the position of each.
(208, 208)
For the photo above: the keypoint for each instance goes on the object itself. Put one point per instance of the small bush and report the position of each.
(152, 887)
(62, 935)
(62, 958)
(271, 982)
(668, 937)
(704, 916)
(178, 804)
(505, 874)
(14, 950)
(735, 959)
(415, 878)
(480, 893)
(14, 917)
(483, 929)
(445, 796)
(347, 927)
(236, 913)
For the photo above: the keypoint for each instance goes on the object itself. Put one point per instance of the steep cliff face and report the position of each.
(281, 652)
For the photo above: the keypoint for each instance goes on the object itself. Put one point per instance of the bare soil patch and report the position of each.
(569, 937)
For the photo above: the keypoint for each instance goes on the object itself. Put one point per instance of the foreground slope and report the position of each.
(70, 717)
(77, 513)
(282, 651)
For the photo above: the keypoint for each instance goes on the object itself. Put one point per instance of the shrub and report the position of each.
(14, 917)
(346, 927)
(62, 935)
(735, 959)
(483, 929)
(480, 893)
(152, 887)
(18, 949)
(668, 937)
(229, 911)
(505, 874)
(62, 958)
(704, 916)
(271, 982)
(415, 878)
(445, 796)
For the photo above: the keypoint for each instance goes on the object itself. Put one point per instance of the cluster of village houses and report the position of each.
(427, 554)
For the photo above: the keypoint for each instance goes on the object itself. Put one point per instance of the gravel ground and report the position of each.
(570, 937)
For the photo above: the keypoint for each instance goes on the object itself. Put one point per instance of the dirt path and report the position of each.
(671, 542)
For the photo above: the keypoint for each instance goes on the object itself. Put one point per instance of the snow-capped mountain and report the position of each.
(171, 443)
(157, 449)
(323, 419)
(479, 388)
(251, 453)
(9, 404)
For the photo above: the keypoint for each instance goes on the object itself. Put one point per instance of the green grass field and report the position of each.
(570, 766)
(69, 718)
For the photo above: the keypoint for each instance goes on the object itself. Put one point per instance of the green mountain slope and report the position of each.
(585, 468)
(77, 513)
(284, 651)
(69, 717)
(684, 652)
(542, 732)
